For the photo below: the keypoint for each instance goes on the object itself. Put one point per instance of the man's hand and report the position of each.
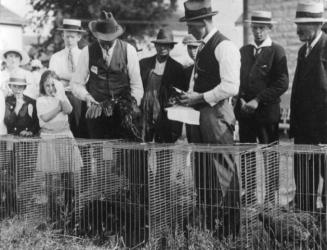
(90, 100)
(191, 99)
(250, 106)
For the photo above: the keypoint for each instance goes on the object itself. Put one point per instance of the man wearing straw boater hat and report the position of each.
(160, 73)
(308, 124)
(264, 78)
(214, 80)
(108, 79)
(64, 63)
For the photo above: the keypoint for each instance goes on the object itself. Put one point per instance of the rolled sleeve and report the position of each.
(229, 60)
(133, 67)
(81, 75)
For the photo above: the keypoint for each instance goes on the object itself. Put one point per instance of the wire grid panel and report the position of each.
(170, 189)
(113, 191)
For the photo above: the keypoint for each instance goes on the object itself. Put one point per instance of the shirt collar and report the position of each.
(110, 50)
(209, 35)
(315, 41)
(266, 43)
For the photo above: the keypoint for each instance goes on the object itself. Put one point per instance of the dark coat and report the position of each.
(166, 131)
(265, 78)
(17, 123)
(309, 95)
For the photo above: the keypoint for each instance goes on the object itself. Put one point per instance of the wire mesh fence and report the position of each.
(245, 196)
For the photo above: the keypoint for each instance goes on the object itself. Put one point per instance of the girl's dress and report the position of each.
(58, 152)
(3, 128)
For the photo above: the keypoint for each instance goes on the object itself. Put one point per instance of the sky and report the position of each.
(20, 7)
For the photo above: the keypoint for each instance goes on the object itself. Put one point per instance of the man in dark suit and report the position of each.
(308, 123)
(160, 73)
(264, 78)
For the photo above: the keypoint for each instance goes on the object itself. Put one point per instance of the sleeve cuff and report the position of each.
(210, 98)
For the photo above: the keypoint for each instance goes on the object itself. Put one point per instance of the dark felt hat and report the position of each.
(197, 9)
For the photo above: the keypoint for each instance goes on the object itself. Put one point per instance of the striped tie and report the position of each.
(71, 64)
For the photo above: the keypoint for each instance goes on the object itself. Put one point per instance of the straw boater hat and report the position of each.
(197, 9)
(18, 78)
(106, 28)
(190, 40)
(24, 57)
(261, 17)
(72, 25)
(311, 12)
(165, 36)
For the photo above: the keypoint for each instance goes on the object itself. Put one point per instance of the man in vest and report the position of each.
(64, 63)
(308, 123)
(214, 80)
(264, 78)
(108, 79)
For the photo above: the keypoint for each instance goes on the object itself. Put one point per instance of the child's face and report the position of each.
(49, 87)
(17, 89)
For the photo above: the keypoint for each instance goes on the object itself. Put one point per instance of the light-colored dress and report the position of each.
(3, 128)
(58, 151)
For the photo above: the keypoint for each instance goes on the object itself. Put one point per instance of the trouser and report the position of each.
(75, 116)
(251, 131)
(215, 174)
(307, 170)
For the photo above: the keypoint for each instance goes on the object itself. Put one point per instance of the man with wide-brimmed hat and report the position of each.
(214, 80)
(64, 63)
(264, 78)
(108, 79)
(160, 73)
(308, 122)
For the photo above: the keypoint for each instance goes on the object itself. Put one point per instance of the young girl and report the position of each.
(59, 156)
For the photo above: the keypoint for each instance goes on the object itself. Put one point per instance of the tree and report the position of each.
(139, 17)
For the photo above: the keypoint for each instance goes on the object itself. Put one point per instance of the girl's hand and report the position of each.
(25, 133)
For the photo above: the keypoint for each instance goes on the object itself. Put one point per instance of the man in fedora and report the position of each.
(214, 80)
(64, 63)
(264, 78)
(308, 122)
(160, 73)
(108, 79)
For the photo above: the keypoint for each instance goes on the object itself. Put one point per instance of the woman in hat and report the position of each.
(20, 116)
(160, 73)
(14, 59)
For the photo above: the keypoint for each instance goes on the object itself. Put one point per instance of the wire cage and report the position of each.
(239, 195)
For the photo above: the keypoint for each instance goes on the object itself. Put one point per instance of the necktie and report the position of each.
(308, 50)
(256, 52)
(71, 64)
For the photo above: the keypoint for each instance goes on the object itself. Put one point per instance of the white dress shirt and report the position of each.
(59, 64)
(81, 74)
(313, 43)
(159, 68)
(229, 59)
(3, 128)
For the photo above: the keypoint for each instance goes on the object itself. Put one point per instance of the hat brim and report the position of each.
(185, 19)
(72, 30)
(18, 83)
(22, 53)
(163, 42)
(309, 20)
(105, 37)
(260, 22)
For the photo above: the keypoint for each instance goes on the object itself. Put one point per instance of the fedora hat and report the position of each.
(18, 77)
(106, 28)
(71, 25)
(165, 36)
(197, 9)
(261, 17)
(190, 40)
(310, 12)
(23, 55)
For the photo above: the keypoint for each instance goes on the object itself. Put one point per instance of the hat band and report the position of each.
(196, 13)
(260, 19)
(106, 28)
(302, 14)
(14, 79)
(71, 27)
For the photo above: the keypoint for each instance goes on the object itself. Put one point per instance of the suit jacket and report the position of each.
(166, 131)
(309, 95)
(265, 78)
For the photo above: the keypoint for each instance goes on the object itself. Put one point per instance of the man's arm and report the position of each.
(229, 60)
(133, 67)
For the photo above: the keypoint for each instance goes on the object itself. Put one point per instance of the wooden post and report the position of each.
(245, 26)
